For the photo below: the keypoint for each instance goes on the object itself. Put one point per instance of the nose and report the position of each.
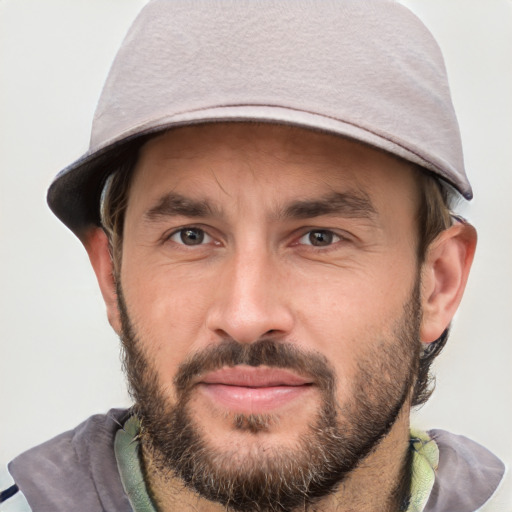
(250, 302)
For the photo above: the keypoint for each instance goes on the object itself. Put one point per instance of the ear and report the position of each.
(97, 247)
(444, 276)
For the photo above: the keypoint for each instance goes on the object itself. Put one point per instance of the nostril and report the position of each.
(222, 334)
(246, 322)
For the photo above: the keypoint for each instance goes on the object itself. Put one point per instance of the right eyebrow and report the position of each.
(173, 204)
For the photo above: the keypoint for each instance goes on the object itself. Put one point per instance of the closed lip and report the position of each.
(255, 377)
(254, 390)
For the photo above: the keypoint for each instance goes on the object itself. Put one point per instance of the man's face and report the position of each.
(269, 286)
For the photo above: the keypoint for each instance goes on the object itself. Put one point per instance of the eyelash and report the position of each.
(181, 231)
(331, 236)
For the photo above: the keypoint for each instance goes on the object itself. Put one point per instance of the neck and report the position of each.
(378, 484)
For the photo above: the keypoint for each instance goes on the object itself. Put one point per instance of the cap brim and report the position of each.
(75, 193)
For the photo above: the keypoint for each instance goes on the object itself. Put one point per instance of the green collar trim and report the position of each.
(126, 449)
(425, 459)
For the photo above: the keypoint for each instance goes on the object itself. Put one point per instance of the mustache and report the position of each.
(264, 352)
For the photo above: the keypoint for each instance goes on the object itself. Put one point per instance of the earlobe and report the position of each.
(97, 246)
(444, 276)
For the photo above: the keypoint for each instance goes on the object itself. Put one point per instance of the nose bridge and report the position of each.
(249, 302)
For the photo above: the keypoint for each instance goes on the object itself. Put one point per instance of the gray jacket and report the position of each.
(77, 471)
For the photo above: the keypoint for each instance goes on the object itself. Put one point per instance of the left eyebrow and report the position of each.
(344, 204)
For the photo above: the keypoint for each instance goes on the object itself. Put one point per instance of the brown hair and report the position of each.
(434, 215)
(113, 203)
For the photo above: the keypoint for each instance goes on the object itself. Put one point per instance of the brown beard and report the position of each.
(332, 445)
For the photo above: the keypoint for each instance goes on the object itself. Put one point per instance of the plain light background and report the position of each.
(59, 359)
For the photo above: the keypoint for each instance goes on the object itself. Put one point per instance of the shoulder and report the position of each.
(467, 476)
(11, 498)
(78, 463)
(501, 500)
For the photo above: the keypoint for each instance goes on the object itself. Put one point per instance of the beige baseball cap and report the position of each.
(368, 70)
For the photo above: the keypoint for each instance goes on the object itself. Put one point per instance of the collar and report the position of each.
(425, 458)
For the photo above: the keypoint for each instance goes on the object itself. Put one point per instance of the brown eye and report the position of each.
(319, 238)
(190, 236)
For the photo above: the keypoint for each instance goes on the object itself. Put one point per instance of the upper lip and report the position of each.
(250, 376)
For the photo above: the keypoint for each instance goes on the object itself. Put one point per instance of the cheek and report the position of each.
(350, 318)
(353, 301)
(168, 316)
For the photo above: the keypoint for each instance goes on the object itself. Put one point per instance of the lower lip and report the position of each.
(254, 400)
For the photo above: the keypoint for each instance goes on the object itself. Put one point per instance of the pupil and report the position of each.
(192, 236)
(320, 238)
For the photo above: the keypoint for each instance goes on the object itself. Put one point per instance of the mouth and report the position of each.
(254, 390)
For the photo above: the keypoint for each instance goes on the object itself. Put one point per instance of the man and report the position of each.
(266, 205)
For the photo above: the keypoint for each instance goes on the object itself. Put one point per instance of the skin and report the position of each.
(257, 274)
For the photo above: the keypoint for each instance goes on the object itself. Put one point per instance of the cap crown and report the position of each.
(365, 69)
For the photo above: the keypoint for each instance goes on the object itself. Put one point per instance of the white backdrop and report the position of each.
(59, 360)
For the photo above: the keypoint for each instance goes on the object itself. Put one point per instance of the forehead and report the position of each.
(229, 160)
